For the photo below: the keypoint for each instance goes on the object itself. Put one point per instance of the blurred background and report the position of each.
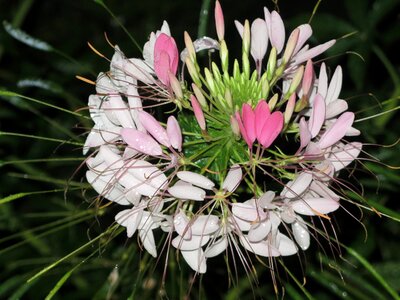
(47, 214)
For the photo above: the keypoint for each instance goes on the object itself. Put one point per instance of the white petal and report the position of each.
(259, 231)
(296, 187)
(187, 192)
(342, 157)
(286, 245)
(205, 224)
(245, 211)
(181, 222)
(263, 248)
(109, 190)
(147, 172)
(147, 238)
(196, 242)
(315, 206)
(233, 178)
(217, 247)
(334, 86)
(265, 201)
(129, 218)
(301, 234)
(196, 179)
(335, 108)
(196, 260)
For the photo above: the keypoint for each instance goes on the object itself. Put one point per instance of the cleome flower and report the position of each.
(245, 155)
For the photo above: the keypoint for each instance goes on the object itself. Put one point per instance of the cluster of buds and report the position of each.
(273, 135)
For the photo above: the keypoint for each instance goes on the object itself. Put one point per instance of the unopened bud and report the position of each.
(235, 127)
(271, 65)
(200, 97)
(219, 21)
(224, 56)
(272, 102)
(296, 80)
(289, 108)
(189, 46)
(175, 85)
(290, 46)
(193, 72)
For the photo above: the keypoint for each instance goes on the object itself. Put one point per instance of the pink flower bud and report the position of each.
(307, 78)
(174, 133)
(198, 112)
(219, 21)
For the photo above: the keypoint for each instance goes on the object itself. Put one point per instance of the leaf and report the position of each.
(25, 38)
(373, 272)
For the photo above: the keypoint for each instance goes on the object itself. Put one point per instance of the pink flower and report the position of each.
(166, 57)
(260, 124)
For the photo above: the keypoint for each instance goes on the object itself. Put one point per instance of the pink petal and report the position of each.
(305, 134)
(323, 81)
(174, 133)
(337, 130)
(335, 108)
(315, 206)
(198, 112)
(308, 77)
(166, 57)
(162, 67)
(304, 35)
(154, 128)
(259, 39)
(141, 141)
(261, 112)
(249, 122)
(243, 130)
(311, 53)
(196, 179)
(277, 32)
(219, 21)
(317, 118)
(272, 128)
(335, 86)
